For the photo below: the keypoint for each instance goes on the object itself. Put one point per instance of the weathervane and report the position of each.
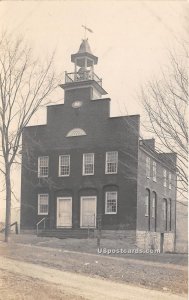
(86, 29)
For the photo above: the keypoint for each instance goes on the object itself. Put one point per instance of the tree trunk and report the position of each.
(8, 204)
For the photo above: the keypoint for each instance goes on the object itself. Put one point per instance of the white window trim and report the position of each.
(60, 166)
(165, 178)
(164, 209)
(153, 206)
(76, 132)
(42, 176)
(170, 181)
(154, 171)
(170, 214)
(81, 210)
(39, 213)
(106, 165)
(57, 212)
(106, 212)
(147, 203)
(148, 164)
(83, 167)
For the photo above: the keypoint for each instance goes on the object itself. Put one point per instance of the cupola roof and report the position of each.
(85, 47)
(84, 52)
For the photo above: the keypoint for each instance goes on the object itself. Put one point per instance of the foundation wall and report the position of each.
(163, 242)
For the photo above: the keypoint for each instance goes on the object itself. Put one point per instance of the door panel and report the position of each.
(64, 212)
(88, 212)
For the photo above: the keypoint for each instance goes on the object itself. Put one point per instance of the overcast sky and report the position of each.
(131, 39)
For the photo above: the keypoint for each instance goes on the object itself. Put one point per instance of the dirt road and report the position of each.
(14, 286)
(77, 286)
(157, 276)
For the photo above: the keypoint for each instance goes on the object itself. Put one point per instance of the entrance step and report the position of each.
(65, 233)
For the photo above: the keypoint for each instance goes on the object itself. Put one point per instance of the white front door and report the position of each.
(88, 212)
(64, 212)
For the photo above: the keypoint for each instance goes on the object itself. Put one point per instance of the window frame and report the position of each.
(83, 167)
(154, 204)
(170, 181)
(164, 211)
(106, 163)
(154, 171)
(74, 132)
(147, 203)
(43, 213)
(39, 175)
(170, 214)
(165, 178)
(106, 203)
(59, 165)
(148, 167)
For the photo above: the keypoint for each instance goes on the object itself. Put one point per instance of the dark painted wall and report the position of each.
(161, 191)
(103, 134)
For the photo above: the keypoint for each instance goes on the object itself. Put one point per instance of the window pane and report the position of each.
(76, 132)
(165, 213)
(43, 204)
(111, 203)
(153, 205)
(147, 200)
(170, 216)
(64, 165)
(164, 178)
(170, 183)
(43, 166)
(88, 164)
(111, 162)
(148, 167)
(154, 171)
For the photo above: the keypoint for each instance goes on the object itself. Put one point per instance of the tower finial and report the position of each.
(85, 30)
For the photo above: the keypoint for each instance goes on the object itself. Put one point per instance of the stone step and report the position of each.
(67, 233)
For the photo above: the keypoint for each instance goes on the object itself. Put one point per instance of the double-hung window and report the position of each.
(111, 203)
(43, 166)
(147, 203)
(111, 162)
(154, 205)
(88, 164)
(154, 171)
(148, 167)
(170, 215)
(170, 179)
(43, 204)
(164, 211)
(64, 165)
(165, 178)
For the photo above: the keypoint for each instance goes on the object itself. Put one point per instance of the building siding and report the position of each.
(103, 134)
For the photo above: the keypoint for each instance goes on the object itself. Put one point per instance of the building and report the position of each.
(84, 167)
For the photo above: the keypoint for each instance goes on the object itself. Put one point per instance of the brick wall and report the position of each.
(143, 222)
(102, 134)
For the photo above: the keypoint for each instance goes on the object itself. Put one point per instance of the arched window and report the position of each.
(164, 209)
(154, 196)
(147, 203)
(154, 208)
(76, 132)
(170, 215)
(147, 206)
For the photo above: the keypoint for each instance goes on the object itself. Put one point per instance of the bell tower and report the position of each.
(83, 82)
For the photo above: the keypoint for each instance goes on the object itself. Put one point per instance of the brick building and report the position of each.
(84, 166)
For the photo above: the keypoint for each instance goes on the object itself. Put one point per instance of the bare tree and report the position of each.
(165, 101)
(25, 84)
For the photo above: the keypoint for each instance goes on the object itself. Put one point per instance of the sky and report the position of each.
(131, 39)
